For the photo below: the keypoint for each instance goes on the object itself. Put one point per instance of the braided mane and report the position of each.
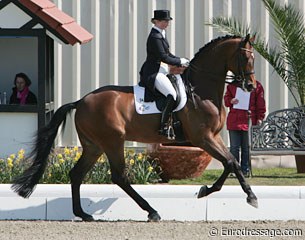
(214, 41)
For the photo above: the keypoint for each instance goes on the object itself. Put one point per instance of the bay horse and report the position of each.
(106, 118)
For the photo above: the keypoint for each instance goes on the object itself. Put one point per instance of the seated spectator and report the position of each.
(21, 92)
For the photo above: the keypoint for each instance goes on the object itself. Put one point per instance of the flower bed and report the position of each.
(61, 161)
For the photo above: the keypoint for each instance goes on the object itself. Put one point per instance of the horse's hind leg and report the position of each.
(77, 174)
(216, 148)
(117, 163)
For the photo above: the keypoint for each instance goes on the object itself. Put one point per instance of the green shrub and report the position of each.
(139, 169)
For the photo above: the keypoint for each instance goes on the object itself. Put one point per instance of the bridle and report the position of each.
(241, 77)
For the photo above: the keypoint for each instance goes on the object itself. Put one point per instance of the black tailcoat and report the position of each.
(157, 49)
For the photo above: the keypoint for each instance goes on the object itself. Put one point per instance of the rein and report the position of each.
(237, 78)
(189, 88)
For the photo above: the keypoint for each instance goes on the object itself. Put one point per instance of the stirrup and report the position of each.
(168, 132)
(171, 133)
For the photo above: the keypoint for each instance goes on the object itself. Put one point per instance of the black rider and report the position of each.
(155, 68)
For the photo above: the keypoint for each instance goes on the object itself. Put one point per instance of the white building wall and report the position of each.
(120, 29)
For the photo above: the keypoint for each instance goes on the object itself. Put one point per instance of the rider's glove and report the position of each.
(184, 62)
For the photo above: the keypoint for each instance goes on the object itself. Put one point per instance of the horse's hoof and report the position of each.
(253, 202)
(202, 192)
(88, 218)
(154, 217)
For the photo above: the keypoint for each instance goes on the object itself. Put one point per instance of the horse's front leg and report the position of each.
(216, 148)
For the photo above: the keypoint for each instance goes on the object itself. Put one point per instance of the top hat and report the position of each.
(162, 15)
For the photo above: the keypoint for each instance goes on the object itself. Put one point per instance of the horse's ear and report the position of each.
(247, 38)
(251, 40)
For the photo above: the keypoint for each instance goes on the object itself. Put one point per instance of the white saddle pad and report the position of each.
(150, 107)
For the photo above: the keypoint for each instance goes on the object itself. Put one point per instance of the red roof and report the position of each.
(65, 26)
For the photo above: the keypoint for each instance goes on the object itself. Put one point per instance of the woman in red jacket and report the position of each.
(237, 121)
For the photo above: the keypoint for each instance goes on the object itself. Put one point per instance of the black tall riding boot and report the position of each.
(170, 102)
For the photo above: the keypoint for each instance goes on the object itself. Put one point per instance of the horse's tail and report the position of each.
(25, 183)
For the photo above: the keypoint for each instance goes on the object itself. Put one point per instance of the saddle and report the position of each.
(158, 104)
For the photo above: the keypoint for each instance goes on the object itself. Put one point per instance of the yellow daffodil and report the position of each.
(10, 162)
(101, 159)
(12, 156)
(67, 151)
(59, 156)
(75, 148)
(77, 156)
(131, 161)
(21, 151)
(150, 169)
(61, 161)
(140, 157)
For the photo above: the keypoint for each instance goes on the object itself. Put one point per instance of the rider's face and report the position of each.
(162, 24)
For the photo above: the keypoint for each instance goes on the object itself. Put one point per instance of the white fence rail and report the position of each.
(108, 202)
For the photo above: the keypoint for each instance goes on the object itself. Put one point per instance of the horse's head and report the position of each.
(242, 64)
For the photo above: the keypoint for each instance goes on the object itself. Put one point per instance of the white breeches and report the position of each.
(163, 84)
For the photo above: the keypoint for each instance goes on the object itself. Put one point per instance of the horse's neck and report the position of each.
(209, 84)
(212, 91)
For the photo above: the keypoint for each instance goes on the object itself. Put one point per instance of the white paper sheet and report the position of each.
(243, 99)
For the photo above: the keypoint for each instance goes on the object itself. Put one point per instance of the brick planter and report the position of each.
(179, 162)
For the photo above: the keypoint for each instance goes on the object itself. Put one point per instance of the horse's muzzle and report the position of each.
(249, 85)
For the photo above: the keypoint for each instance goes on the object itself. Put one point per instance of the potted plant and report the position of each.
(288, 59)
(179, 160)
